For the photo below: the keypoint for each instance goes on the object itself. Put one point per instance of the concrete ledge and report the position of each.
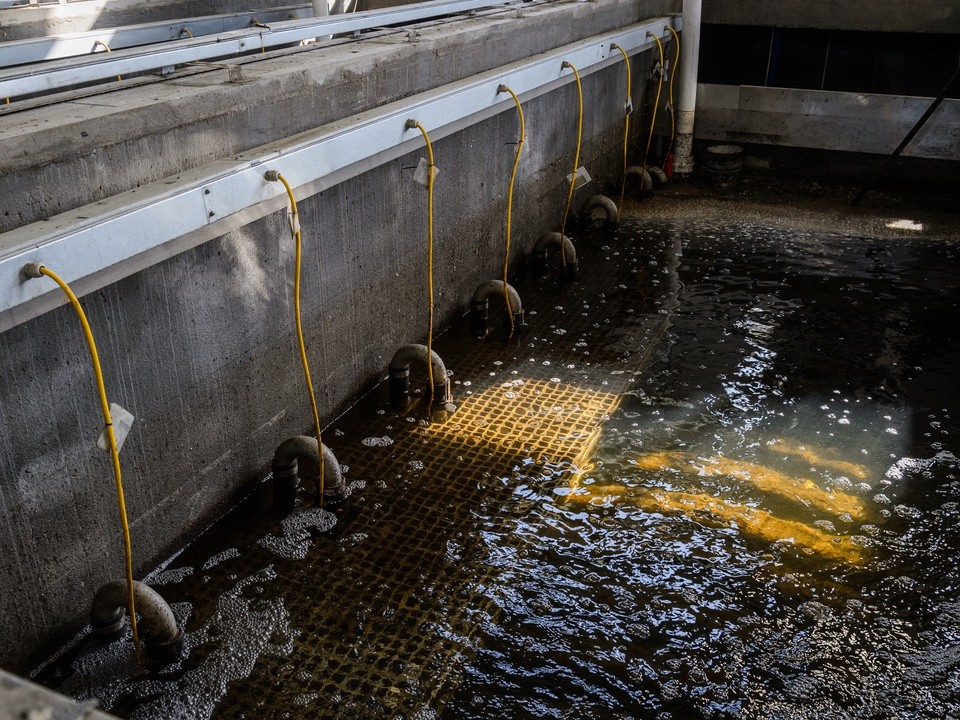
(57, 158)
(817, 119)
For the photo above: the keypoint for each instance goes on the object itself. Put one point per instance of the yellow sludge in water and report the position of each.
(757, 523)
(763, 478)
(751, 521)
(815, 458)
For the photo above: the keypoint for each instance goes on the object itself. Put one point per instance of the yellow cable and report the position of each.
(576, 164)
(295, 225)
(626, 129)
(107, 48)
(673, 72)
(114, 453)
(187, 31)
(426, 139)
(656, 105)
(513, 177)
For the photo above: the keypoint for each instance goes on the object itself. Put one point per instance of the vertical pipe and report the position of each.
(687, 101)
(320, 9)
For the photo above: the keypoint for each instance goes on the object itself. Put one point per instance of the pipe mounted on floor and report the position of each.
(599, 202)
(298, 457)
(480, 306)
(108, 615)
(400, 375)
(554, 240)
(640, 176)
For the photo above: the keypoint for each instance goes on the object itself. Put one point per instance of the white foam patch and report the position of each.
(238, 633)
(384, 441)
(169, 577)
(220, 557)
(296, 540)
(908, 465)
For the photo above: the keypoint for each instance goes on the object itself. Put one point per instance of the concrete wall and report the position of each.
(848, 122)
(200, 348)
(934, 16)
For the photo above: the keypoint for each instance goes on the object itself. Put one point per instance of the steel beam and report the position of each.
(101, 243)
(56, 47)
(49, 77)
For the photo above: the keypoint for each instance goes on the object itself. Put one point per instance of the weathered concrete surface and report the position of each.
(59, 158)
(847, 122)
(200, 348)
(19, 23)
(933, 16)
(22, 700)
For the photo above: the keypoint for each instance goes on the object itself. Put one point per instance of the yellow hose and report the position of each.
(107, 48)
(426, 139)
(295, 224)
(626, 129)
(576, 164)
(513, 177)
(673, 72)
(187, 31)
(656, 104)
(112, 441)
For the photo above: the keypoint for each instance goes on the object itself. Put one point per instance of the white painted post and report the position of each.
(687, 102)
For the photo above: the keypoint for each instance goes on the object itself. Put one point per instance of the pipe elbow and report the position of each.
(108, 616)
(300, 456)
(495, 288)
(599, 203)
(400, 374)
(480, 306)
(641, 177)
(554, 240)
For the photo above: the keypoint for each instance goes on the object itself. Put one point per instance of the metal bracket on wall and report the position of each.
(50, 77)
(101, 243)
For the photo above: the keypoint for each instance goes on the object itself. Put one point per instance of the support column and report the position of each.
(687, 102)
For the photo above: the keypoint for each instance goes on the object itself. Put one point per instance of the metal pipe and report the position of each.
(108, 615)
(55, 47)
(480, 305)
(598, 202)
(687, 101)
(57, 74)
(105, 241)
(400, 375)
(298, 457)
(554, 239)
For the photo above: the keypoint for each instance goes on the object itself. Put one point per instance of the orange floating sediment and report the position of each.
(763, 478)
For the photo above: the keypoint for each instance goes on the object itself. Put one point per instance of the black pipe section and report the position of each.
(538, 262)
(108, 615)
(400, 375)
(598, 202)
(300, 455)
(480, 306)
(642, 178)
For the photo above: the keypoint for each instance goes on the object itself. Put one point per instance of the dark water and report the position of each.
(767, 526)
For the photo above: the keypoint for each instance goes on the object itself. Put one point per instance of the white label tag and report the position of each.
(420, 174)
(582, 178)
(122, 422)
(628, 107)
(294, 219)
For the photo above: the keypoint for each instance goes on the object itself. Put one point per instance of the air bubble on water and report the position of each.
(881, 499)
(169, 577)
(221, 557)
(384, 441)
